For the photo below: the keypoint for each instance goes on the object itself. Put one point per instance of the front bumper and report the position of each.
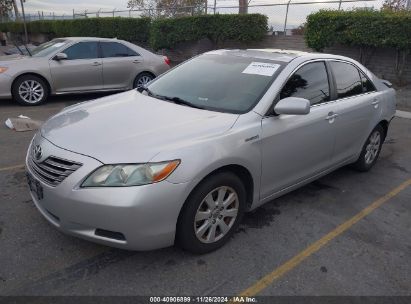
(145, 216)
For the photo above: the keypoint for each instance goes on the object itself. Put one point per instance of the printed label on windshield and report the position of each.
(261, 68)
(59, 44)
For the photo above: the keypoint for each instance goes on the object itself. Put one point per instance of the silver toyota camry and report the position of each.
(77, 65)
(181, 160)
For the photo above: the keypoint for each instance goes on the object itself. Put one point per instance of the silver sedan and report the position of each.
(77, 65)
(182, 159)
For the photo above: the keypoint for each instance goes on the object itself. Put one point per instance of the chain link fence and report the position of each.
(284, 16)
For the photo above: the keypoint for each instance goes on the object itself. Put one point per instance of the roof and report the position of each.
(273, 54)
(268, 54)
(87, 38)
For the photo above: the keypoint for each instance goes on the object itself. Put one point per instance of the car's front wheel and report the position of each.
(30, 90)
(371, 150)
(212, 213)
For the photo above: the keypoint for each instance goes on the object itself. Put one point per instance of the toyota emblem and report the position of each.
(37, 152)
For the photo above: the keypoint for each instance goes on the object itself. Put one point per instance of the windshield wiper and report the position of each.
(176, 100)
(28, 51)
(142, 89)
(180, 101)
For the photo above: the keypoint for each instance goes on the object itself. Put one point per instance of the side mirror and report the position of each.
(292, 106)
(60, 56)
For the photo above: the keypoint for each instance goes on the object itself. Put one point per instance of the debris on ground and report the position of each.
(23, 123)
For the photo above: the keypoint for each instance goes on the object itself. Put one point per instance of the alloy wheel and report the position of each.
(31, 91)
(373, 147)
(143, 80)
(216, 214)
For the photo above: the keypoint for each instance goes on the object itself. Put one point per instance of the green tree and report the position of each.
(168, 8)
(394, 5)
(6, 7)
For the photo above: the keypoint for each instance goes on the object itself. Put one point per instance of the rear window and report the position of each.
(219, 82)
(347, 78)
(116, 49)
(367, 85)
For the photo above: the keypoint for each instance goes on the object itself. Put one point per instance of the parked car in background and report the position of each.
(214, 137)
(77, 65)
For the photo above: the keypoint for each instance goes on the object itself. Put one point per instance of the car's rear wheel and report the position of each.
(30, 90)
(212, 213)
(371, 150)
(142, 79)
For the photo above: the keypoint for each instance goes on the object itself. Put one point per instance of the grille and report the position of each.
(53, 170)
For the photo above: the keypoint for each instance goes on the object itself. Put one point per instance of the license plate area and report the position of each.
(35, 187)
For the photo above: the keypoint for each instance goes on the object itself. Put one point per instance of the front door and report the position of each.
(81, 71)
(296, 147)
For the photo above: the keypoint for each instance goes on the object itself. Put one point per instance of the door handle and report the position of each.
(375, 103)
(136, 61)
(330, 117)
(96, 63)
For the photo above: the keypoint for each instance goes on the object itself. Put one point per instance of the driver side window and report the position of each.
(309, 82)
(82, 50)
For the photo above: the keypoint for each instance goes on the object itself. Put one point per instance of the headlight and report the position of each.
(123, 175)
(3, 69)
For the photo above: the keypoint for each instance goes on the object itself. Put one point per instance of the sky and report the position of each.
(297, 13)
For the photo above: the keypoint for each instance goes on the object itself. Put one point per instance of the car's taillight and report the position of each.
(166, 60)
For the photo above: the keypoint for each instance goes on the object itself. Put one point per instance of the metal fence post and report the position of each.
(215, 6)
(73, 14)
(286, 17)
(24, 22)
(339, 5)
(113, 12)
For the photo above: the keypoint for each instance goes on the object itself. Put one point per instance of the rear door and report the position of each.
(358, 109)
(81, 71)
(296, 147)
(120, 65)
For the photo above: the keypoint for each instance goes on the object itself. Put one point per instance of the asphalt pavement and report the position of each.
(371, 256)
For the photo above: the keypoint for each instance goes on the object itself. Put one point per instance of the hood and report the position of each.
(131, 127)
(10, 59)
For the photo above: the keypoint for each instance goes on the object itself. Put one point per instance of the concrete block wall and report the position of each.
(380, 61)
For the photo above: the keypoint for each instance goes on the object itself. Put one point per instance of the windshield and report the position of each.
(48, 48)
(218, 82)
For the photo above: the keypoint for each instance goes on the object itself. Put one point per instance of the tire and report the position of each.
(142, 79)
(39, 87)
(371, 150)
(215, 221)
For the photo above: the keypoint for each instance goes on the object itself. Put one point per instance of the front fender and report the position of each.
(201, 158)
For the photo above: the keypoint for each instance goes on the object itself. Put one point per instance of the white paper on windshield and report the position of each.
(261, 68)
(59, 44)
